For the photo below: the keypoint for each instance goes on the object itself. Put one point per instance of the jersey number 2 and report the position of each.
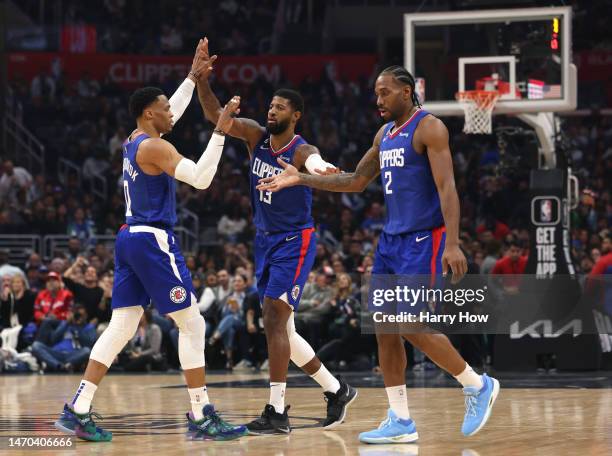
(388, 184)
(128, 201)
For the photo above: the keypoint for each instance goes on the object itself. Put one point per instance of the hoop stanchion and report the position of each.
(478, 107)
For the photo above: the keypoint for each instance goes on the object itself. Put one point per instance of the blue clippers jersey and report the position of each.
(287, 210)
(148, 199)
(411, 196)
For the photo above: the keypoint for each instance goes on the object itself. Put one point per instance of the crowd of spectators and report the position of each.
(239, 21)
(75, 286)
(170, 27)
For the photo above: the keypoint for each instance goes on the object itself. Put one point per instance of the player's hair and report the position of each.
(294, 97)
(402, 75)
(142, 98)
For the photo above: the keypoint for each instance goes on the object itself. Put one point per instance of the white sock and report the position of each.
(83, 397)
(469, 378)
(277, 396)
(398, 401)
(327, 381)
(199, 398)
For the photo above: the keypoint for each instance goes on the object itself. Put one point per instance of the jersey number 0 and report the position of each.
(128, 201)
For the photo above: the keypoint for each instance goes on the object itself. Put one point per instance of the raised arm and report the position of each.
(434, 135)
(367, 170)
(200, 68)
(246, 129)
(158, 155)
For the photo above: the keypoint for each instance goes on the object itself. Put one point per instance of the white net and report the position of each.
(478, 108)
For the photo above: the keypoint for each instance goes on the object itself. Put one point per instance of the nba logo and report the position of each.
(546, 211)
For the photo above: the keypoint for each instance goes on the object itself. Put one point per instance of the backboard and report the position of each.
(525, 54)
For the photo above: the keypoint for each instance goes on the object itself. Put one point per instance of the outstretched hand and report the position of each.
(288, 178)
(230, 111)
(202, 64)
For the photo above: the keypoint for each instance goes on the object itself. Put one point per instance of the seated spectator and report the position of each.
(232, 319)
(208, 303)
(6, 268)
(143, 352)
(256, 353)
(81, 226)
(375, 219)
(223, 288)
(105, 256)
(75, 247)
(54, 302)
(232, 225)
(498, 228)
(82, 280)
(491, 257)
(346, 347)
(16, 313)
(69, 344)
(314, 309)
(13, 180)
(354, 255)
(115, 144)
(35, 279)
(513, 263)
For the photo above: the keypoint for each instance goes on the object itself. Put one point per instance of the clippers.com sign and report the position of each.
(136, 70)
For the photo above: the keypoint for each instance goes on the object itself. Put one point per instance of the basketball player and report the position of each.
(421, 236)
(285, 247)
(148, 262)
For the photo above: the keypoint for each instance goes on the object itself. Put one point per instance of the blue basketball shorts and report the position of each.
(149, 267)
(283, 262)
(411, 260)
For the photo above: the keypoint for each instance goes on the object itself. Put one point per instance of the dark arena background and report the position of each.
(525, 90)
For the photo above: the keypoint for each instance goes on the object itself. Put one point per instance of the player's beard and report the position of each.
(278, 127)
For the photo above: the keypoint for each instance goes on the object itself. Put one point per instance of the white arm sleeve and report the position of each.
(314, 162)
(181, 99)
(200, 175)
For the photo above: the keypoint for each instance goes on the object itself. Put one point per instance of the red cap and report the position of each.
(54, 275)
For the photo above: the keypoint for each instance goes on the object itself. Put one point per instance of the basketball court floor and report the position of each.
(535, 414)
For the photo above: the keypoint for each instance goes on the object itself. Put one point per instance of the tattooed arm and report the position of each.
(367, 170)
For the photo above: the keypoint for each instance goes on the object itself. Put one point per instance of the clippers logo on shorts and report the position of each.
(295, 292)
(178, 295)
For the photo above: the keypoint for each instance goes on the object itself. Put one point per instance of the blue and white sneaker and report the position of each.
(83, 426)
(213, 427)
(478, 405)
(392, 430)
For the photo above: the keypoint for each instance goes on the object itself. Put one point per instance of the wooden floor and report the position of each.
(147, 418)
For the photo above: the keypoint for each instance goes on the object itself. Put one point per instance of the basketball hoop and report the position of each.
(478, 107)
